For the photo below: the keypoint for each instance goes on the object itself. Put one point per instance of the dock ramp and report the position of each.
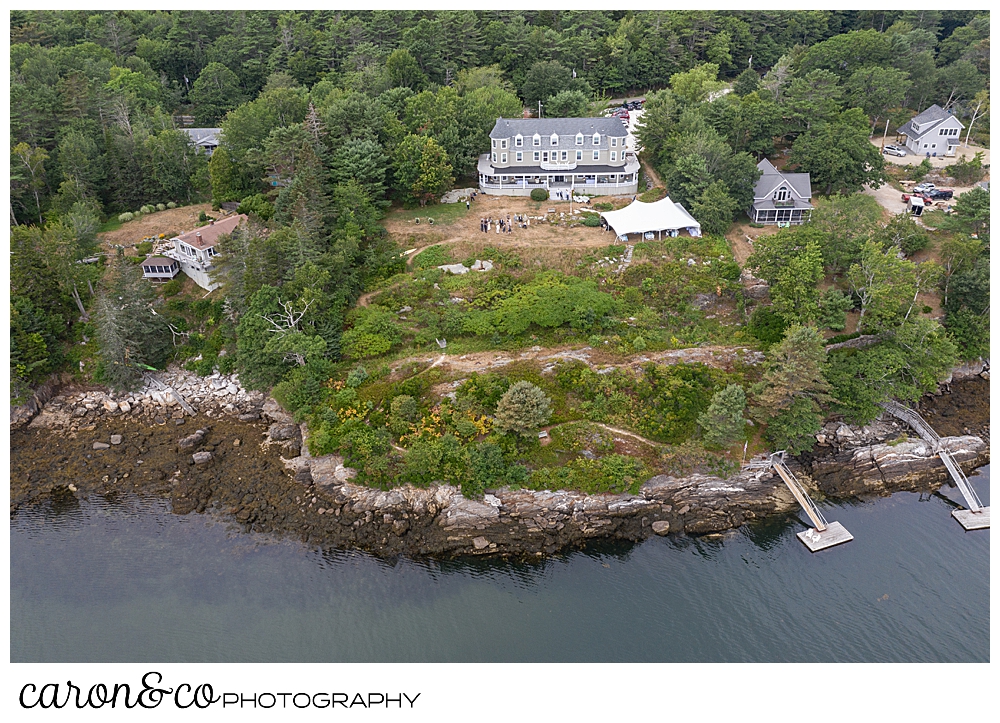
(976, 517)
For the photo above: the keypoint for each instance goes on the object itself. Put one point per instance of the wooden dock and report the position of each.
(834, 534)
(824, 534)
(976, 517)
(973, 520)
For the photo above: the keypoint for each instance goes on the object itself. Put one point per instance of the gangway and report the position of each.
(976, 517)
(824, 534)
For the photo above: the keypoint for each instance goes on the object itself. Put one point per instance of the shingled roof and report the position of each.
(207, 236)
(771, 178)
(928, 121)
(528, 127)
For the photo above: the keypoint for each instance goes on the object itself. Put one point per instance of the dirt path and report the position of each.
(719, 357)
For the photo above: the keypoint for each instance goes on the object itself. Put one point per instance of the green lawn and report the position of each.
(442, 213)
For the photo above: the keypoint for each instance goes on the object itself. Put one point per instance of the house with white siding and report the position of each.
(935, 132)
(193, 251)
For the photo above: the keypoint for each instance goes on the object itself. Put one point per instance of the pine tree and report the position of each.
(722, 423)
(522, 409)
(130, 334)
(788, 396)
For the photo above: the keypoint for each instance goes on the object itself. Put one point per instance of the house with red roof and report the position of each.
(193, 251)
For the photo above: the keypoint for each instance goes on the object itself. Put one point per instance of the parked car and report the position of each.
(940, 194)
(894, 150)
(924, 187)
(925, 196)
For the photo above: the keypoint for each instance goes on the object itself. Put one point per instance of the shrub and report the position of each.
(403, 411)
(766, 325)
(258, 206)
(126, 217)
(917, 173)
(539, 194)
(204, 217)
(161, 207)
(146, 247)
(431, 257)
(522, 409)
(967, 172)
(356, 377)
(147, 209)
(374, 333)
(653, 194)
(172, 287)
(603, 206)
(171, 204)
(592, 220)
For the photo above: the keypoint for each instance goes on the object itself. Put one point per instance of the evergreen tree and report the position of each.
(793, 385)
(722, 423)
(131, 335)
(522, 409)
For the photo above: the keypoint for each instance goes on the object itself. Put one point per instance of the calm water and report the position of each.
(129, 582)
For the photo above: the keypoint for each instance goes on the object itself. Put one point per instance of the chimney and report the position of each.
(212, 222)
(198, 234)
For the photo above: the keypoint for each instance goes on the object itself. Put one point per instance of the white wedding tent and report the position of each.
(662, 215)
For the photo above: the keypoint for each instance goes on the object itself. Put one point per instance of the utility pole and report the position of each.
(884, 132)
(539, 109)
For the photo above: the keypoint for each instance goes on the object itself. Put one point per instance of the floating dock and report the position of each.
(824, 534)
(834, 534)
(976, 517)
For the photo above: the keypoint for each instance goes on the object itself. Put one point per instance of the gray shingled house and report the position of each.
(780, 197)
(206, 139)
(586, 155)
(935, 132)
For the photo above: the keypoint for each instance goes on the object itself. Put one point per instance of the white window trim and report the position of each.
(554, 140)
(494, 142)
(519, 140)
(614, 155)
(503, 157)
(562, 155)
(519, 156)
(579, 139)
(579, 155)
(597, 139)
(536, 156)
(536, 140)
(614, 142)
(503, 143)
(494, 158)
(597, 155)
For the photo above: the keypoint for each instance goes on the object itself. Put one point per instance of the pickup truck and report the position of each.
(936, 194)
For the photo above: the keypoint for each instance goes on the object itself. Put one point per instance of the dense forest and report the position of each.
(330, 118)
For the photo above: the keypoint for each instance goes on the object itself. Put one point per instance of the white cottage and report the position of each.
(935, 132)
(193, 251)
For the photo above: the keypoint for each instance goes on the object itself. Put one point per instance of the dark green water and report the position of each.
(130, 582)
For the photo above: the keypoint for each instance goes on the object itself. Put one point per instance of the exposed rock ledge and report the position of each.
(439, 520)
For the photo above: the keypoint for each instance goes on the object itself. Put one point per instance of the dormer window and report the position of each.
(554, 140)
(579, 139)
(916, 126)
(781, 195)
(597, 139)
(536, 140)
(518, 141)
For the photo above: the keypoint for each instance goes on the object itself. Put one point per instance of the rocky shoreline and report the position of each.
(242, 456)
